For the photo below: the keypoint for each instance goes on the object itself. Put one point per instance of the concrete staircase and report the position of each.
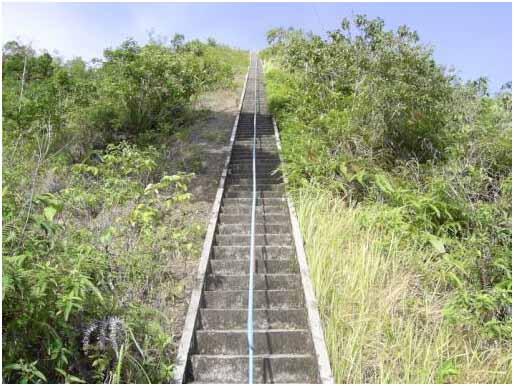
(283, 343)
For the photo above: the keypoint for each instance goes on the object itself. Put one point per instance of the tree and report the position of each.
(177, 41)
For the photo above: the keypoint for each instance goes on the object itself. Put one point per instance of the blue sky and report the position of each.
(474, 38)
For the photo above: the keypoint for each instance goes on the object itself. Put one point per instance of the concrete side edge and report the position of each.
(194, 304)
(318, 338)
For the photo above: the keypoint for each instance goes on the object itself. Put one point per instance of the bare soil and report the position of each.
(202, 148)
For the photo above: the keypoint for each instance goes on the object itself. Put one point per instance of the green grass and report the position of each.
(381, 307)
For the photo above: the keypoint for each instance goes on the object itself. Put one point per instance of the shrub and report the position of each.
(65, 279)
(367, 115)
(95, 240)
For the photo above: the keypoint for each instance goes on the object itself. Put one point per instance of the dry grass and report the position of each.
(381, 324)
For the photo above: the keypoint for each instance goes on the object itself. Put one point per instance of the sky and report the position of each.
(473, 38)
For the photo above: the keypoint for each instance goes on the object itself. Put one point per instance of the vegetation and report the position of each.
(383, 322)
(95, 244)
(402, 177)
(401, 174)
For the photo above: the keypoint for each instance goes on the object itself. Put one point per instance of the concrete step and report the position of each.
(260, 148)
(267, 369)
(268, 252)
(261, 282)
(263, 136)
(259, 143)
(261, 299)
(234, 187)
(248, 129)
(260, 152)
(235, 342)
(260, 218)
(248, 154)
(260, 168)
(265, 139)
(258, 155)
(249, 96)
(261, 120)
(244, 129)
(248, 150)
(268, 134)
(247, 182)
(248, 189)
(260, 173)
(240, 266)
(263, 228)
(260, 201)
(223, 319)
(249, 159)
(260, 239)
(259, 162)
(260, 138)
(259, 210)
(247, 135)
(261, 126)
(244, 126)
(259, 206)
(272, 159)
(260, 194)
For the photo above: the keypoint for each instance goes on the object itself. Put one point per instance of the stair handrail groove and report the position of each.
(252, 239)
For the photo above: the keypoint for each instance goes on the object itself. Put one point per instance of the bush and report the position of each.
(95, 240)
(66, 276)
(367, 115)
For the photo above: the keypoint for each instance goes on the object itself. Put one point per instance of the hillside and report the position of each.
(402, 179)
(400, 172)
(109, 173)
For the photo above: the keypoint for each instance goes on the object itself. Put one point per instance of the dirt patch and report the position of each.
(201, 148)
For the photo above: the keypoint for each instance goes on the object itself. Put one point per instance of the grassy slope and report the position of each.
(382, 324)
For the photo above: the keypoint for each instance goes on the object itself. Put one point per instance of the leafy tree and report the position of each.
(177, 42)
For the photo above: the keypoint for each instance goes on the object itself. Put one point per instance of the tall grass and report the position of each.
(382, 322)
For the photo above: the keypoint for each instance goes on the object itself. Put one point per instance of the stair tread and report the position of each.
(257, 331)
(227, 356)
(255, 291)
(257, 274)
